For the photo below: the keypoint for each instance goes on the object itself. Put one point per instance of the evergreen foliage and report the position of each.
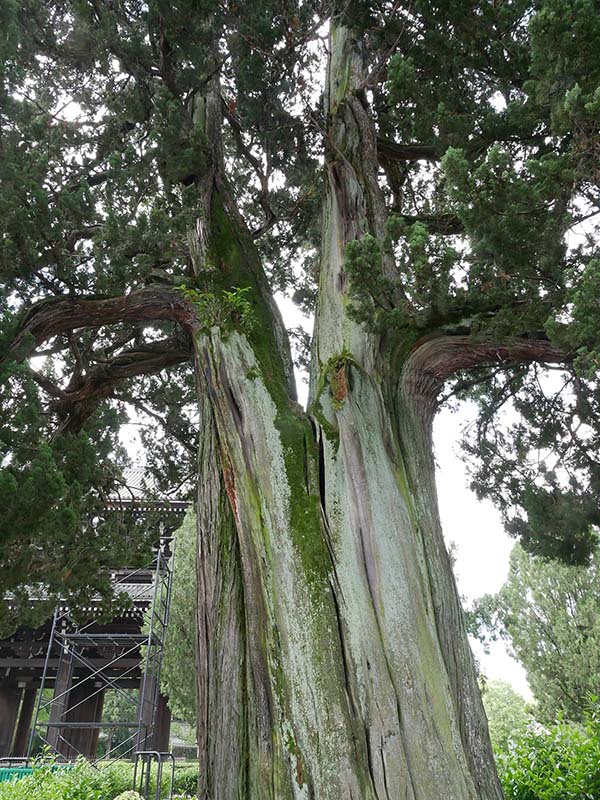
(549, 613)
(178, 674)
(487, 118)
(507, 713)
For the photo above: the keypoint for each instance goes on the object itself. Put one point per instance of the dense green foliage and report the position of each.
(178, 675)
(507, 713)
(83, 782)
(487, 118)
(488, 239)
(103, 157)
(561, 762)
(549, 613)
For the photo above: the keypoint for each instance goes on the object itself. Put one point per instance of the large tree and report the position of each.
(161, 178)
(550, 615)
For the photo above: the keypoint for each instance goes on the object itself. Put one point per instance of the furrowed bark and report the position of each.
(353, 676)
(413, 671)
(220, 627)
(297, 738)
(415, 433)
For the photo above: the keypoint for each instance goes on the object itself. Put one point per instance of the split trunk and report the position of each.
(333, 659)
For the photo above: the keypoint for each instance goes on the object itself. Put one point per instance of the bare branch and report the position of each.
(56, 316)
(436, 359)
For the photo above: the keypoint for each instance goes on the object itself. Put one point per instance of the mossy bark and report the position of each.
(333, 659)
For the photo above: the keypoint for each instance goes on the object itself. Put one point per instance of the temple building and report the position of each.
(54, 679)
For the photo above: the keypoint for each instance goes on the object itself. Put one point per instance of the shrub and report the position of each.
(186, 780)
(560, 763)
(80, 782)
(83, 782)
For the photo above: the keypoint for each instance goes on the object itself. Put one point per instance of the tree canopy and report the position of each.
(487, 140)
(549, 614)
(507, 714)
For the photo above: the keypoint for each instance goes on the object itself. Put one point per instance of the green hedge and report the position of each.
(557, 763)
(83, 782)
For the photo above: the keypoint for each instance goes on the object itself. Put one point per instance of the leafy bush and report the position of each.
(80, 782)
(186, 779)
(560, 763)
(83, 782)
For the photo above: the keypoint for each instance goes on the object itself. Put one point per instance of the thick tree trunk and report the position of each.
(333, 657)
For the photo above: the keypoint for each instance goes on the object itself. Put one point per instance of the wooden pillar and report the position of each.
(85, 705)
(19, 748)
(97, 718)
(162, 725)
(64, 678)
(10, 697)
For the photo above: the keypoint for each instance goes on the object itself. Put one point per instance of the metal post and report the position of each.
(41, 692)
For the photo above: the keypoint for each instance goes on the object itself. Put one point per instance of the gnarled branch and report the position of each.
(80, 399)
(436, 359)
(58, 315)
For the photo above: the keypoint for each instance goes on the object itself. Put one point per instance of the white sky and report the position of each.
(482, 545)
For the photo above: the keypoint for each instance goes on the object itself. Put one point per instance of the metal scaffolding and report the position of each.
(86, 660)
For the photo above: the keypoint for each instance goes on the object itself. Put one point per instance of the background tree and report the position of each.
(507, 713)
(119, 706)
(550, 615)
(178, 674)
(145, 230)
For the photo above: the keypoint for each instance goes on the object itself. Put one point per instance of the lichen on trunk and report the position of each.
(333, 662)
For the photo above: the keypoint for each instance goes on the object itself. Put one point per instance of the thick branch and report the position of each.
(436, 359)
(415, 151)
(446, 224)
(389, 150)
(56, 316)
(78, 402)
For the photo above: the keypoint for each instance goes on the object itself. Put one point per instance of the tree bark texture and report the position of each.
(333, 660)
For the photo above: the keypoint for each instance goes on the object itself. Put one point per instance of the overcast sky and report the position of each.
(482, 546)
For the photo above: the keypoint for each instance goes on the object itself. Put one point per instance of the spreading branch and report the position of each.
(392, 151)
(434, 360)
(61, 316)
(57, 316)
(79, 400)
